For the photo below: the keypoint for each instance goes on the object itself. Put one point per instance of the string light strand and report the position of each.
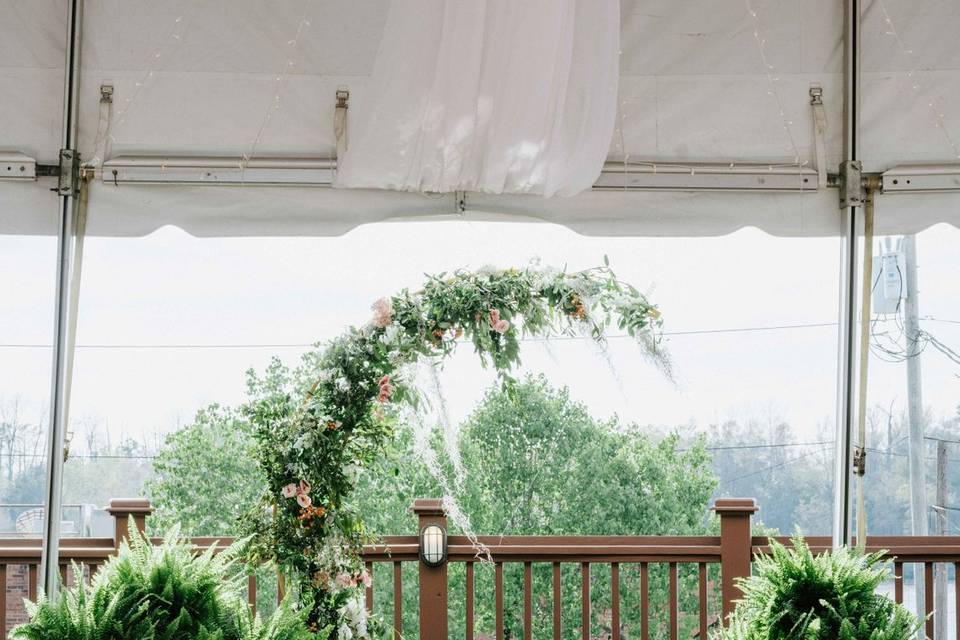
(939, 119)
(772, 79)
(279, 83)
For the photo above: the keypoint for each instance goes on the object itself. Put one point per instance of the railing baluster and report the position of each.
(498, 591)
(3, 600)
(928, 596)
(956, 595)
(527, 601)
(252, 592)
(615, 598)
(398, 600)
(469, 600)
(898, 582)
(557, 608)
(674, 607)
(585, 608)
(369, 590)
(644, 602)
(32, 582)
(703, 600)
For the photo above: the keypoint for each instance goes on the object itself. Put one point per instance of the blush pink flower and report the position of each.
(494, 316)
(382, 313)
(366, 579)
(386, 389)
(304, 487)
(501, 326)
(304, 500)
(289, 491)
(343, 580)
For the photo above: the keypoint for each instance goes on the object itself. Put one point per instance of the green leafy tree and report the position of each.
(537, 463)
(205, 475)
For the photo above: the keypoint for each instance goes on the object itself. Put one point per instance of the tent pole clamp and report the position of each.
(852, 192)
(68, 183)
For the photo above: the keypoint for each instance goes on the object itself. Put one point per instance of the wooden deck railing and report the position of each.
(690, 566)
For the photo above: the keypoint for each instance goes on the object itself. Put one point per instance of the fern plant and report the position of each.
(795, 595)
(161, 592)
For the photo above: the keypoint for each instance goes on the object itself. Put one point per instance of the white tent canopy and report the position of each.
(697, 85)
(729, 115)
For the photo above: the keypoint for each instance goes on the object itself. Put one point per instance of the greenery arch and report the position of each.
(313, 442)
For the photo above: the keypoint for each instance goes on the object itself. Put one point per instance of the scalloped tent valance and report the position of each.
(196, 79)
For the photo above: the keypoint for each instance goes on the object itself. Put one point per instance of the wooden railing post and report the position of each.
(735, 547)
(121, 510)
(433, 580)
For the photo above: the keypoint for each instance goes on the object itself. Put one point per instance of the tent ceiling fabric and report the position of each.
(692, 88)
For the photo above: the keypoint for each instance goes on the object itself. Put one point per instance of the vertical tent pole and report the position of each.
(68, 189)
(850, 199)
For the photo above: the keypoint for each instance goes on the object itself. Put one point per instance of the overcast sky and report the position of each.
(173, 289)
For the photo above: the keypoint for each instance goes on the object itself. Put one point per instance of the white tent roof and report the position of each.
(694, 88)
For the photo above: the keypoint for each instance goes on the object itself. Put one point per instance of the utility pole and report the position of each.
(940, 570)
(911, 322)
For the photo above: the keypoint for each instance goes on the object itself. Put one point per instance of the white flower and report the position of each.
(343, 384)
(344, 632)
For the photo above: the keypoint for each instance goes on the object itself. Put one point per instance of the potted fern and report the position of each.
(796, 595)
(162, 592)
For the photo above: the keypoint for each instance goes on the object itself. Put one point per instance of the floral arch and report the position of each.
(313, 442)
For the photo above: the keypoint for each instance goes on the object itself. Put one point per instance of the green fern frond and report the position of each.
(796, 595)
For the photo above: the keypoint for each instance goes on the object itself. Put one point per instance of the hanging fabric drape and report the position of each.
(495, 96)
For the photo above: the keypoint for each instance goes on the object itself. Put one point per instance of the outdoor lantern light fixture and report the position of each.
(433, 545)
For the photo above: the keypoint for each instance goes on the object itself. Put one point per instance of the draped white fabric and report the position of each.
(496, 96)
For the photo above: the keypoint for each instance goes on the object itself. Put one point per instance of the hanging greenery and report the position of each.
(313, 442)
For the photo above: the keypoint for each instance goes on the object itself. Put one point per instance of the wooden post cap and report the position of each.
(733, 506)
(129, 506)
(428, 507)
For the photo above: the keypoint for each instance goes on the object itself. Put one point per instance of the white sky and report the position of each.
(173, 289)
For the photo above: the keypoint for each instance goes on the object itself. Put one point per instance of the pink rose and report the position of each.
(289, 491)
(304, 500)
(304, 487)
(494, 316)
(382, 313)
(501, 326)
(366, 579)
(343, 580)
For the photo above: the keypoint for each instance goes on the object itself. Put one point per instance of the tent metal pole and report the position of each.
(851, 199)
(68, 189)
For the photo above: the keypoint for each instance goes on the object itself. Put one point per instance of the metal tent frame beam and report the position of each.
(68, 189)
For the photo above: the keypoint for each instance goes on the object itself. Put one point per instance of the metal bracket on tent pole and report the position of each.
(340, 120)
(852, 192)
(68, 183)
(460, 202)
(819, 132)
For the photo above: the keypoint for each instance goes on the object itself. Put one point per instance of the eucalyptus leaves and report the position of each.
(313, 442)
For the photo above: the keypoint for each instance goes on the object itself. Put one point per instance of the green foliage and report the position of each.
(162, 592)
(537, 463)
(313, 440)
(794, 594)
(205, 475)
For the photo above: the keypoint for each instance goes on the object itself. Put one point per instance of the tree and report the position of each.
(537, 463)
(206, 475)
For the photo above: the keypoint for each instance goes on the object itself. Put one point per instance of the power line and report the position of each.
(768, 446)
(299, 345)
(774, 466)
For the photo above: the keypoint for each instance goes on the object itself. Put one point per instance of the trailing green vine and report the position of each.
(313, 442)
